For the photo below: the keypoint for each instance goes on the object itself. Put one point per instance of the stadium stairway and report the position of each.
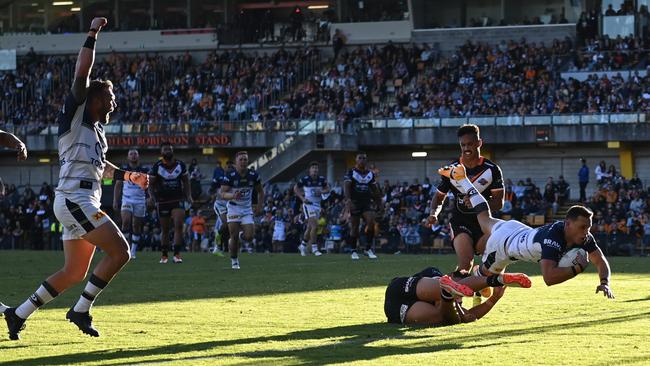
(561, 212)
(285, 161)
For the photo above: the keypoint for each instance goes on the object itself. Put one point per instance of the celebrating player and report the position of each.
(170, 186)
(237, 188)
(82, 154)
(360, 189)
(511, 241)
(133, 202)
(309, 189)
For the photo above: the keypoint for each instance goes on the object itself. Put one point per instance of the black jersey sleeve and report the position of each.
(497, 178)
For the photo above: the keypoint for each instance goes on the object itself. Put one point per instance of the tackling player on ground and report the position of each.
(82, 155)
(511, 241)
(310, 189)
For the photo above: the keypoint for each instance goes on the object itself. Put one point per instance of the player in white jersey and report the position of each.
(280, 222)
(511, 241)
(237, 188)
(310, 190)
(82, 155)
(130, 200)
(221, 209)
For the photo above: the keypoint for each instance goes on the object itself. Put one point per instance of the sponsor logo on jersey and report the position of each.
(552, 243)
(98, 215)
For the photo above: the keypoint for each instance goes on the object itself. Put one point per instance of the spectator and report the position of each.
(583, 179)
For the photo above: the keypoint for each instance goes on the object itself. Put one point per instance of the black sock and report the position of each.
(164, 252)
(460, 273)
(493, 281)
(177, 249)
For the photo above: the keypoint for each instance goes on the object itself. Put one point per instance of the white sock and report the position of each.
(314, 248)
(234, 261)
(44, 294)
(94, 286)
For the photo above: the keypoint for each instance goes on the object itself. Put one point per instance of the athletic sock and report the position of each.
(44, 294)
(94, 286)
(314, 248)
(494, 281)
(446, 295)
(135, 241)
(177, 250)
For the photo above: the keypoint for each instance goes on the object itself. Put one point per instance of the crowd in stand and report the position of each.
(391, 81)
(621, 215)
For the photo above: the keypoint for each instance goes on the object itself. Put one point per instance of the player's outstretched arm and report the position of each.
(85, 60)
(598, 259)
(113, 172)
(479, 311)
(11, 141)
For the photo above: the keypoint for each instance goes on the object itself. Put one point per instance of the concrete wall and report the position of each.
(373, 32)
(139, 41)
(450, 39)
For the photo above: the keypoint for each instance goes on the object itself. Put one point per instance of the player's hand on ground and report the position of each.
(98, 23)
(22, 151)
(607, 292)
(581, 261)
(142, 180)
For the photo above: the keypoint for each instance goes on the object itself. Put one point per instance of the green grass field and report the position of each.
(284, 309)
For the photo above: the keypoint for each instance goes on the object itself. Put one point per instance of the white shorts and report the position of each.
(137, 208)
(279, 236)
(311, 211)
(220, 207)
(79, 214)
(495, 256)
(240, 214)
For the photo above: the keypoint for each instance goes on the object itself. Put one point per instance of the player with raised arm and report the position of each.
(511, 241)
(310, 189)
(237, 188)
(82, 156)
(130, 200)
(363, 199)
(170, 187)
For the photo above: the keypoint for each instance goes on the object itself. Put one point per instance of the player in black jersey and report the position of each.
(468, 239)
(363, 198)
(169, 188)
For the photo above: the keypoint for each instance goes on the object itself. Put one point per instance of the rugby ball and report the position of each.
(567, 259)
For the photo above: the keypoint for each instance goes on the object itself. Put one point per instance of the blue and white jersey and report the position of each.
(280, 223)
(132, 191)
(313, 188)
(545, 242)
(245, 185)
(82, 150)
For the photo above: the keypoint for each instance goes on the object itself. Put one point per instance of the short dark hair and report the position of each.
(467, 129)
(579, 211)
(314, 163)
(239, 153)
(96, 87)
(165, 143)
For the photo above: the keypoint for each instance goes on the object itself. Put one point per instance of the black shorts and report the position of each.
(401, 294)
(467, 226)
(361, 207)
(165, 208)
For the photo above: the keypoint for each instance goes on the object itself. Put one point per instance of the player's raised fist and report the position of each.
(98, 23)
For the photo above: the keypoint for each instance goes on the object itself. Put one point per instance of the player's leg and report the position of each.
(178, 216)
(165, 226)
(233, 245)
(313, 233)
(137, 231)
(302, 248)
(127, 224)
(464, 248)
(441, 292)
(224, 232)
(369, 218)
(109, 238)
(248, 231)
(353, 238)
(78, 255)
